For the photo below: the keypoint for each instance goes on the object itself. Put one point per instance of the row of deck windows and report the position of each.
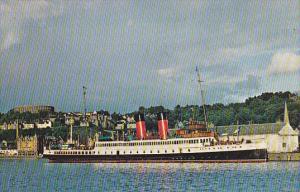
(111, 152)
(74, 152)
(193, 141)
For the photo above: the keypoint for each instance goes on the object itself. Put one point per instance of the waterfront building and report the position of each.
(280, 137)
(27, 145)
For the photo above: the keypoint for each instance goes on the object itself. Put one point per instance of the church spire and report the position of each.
(286, 115)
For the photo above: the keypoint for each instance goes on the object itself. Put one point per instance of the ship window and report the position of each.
(157, 151)
(173, 151)
(105, 152)
(130, 152)
(137, 151)
(151, 151)
(166, 151)
(111, 152)
(284, 145)
(189, 150)
(124, 152)
(90, 152)
(144, 151)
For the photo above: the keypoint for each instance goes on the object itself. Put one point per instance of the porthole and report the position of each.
(189, 150)
(173, 151)
(130, 152)
(150, 151)
(157, 151)
(166, 151)
(137, 151)
(144, 151)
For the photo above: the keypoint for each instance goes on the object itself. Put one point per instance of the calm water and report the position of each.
(38, 175)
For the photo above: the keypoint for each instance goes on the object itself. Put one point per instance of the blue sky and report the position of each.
(133, 53)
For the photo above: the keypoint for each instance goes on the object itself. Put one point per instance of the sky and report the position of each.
(144, 53)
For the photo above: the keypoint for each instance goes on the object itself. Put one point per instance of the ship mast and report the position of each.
(84, 100)
(84, 116)
(202, 96)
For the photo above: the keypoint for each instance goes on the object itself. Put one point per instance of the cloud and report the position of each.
(284, 63)
(14, 15)
(9, 39)
(167, 72)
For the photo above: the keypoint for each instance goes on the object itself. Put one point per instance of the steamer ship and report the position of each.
(195, 144)
(198, 145)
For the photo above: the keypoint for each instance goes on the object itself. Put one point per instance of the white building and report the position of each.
(28, 125)
(45, 124)
(285, 140)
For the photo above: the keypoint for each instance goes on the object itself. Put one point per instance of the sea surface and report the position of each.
(39, 175)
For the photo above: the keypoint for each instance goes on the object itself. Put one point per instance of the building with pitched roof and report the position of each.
(279, 137)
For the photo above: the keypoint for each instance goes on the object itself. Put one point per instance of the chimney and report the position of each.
(140, 126)
(162, 125)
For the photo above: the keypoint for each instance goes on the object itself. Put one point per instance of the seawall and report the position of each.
(284, 156)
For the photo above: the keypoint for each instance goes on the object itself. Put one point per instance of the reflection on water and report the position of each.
(38, 175)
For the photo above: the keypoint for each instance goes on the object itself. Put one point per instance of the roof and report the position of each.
(287, 130)
(250, 129)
